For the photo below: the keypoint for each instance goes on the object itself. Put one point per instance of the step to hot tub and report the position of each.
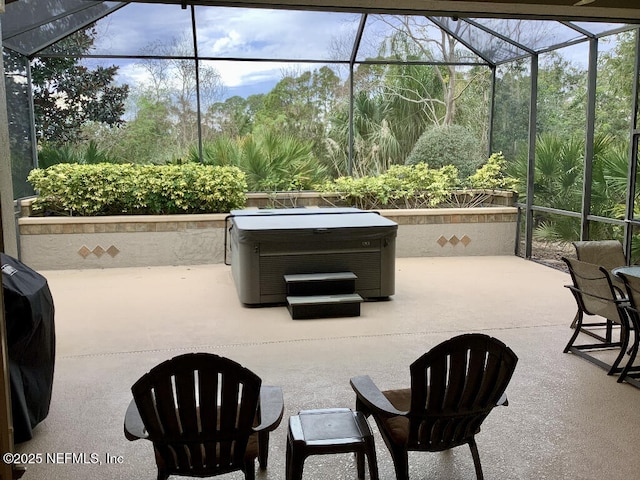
(320, 283)
(324, 306)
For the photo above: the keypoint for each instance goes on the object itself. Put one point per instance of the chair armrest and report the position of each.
(370, 396)
(271, 408)
(133, 426)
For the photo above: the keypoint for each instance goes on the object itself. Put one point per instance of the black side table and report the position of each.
(326, 431)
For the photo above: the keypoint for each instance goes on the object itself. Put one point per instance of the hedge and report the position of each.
(401, 186)
(117, 189)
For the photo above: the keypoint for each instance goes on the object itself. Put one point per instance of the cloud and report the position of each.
(130, 29)
(274, 34)
(238, 33)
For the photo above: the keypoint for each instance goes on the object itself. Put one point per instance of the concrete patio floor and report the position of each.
(566, 418)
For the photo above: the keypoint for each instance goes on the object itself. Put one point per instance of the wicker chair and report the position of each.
(454, 387)
(206, 415)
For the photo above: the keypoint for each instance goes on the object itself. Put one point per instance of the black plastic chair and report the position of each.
(454, 387)
(205, 414)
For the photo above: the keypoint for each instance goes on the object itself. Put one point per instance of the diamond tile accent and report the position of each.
(98, 251)
(442, 241)
(113, 251)
(84, 252)
(454, 240)
(465, 240)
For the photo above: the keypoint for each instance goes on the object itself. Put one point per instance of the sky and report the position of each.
(226, 32)
(241, 33)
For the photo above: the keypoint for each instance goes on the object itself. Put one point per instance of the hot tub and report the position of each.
(266, 245)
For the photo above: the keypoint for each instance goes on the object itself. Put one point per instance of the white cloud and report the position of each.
(275, 34)
(235, 74)
(225, 33)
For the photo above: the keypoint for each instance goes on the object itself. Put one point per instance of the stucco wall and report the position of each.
(54, 243)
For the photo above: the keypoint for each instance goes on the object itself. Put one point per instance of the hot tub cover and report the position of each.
(305, 224)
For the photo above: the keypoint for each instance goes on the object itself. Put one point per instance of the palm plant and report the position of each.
(222, 150)
(52, 154)
(558, 184)
(274, 161)
(376, 144)
(271, 161)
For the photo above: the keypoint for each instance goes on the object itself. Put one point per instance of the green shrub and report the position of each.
(492, 176)
(402, 186)
(447, 145)
(109, 189)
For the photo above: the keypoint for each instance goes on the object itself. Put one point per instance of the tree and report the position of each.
(511, 111)
(376, 146)
(562, 96)
(146, 138)
(172, 81)
(615, 86)
(414, 38)
(300, 105)
(19, 117)
(66, 94)
(235, 116)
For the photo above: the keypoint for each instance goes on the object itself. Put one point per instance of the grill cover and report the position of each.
(29, 313)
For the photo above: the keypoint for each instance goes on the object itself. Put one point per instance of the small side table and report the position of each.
(326, 431)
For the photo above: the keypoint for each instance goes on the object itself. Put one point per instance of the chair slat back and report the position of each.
(199, 410)
(593, 289)
(454, 386)
(632, 287)
(606, 253)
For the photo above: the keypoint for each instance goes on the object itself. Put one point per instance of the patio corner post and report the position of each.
(630, 221)
(587, 177)
(533, 114)
(8, 225)
(492, 110)
(198, 98)
(352, 61)
(7, 239)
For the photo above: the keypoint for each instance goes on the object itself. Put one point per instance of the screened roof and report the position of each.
(31, 26)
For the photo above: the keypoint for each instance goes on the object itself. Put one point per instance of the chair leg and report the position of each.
(373, 463)
(400, 462)
(263, 449)
(609, 332)
(633, 352)
(576, 331)
(250, 470)
(575, 319)
(294, 462)
(624, 345)
(476, 458)
(360, 465)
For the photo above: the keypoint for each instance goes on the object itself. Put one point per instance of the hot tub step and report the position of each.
(324, 306)
(320, 283)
